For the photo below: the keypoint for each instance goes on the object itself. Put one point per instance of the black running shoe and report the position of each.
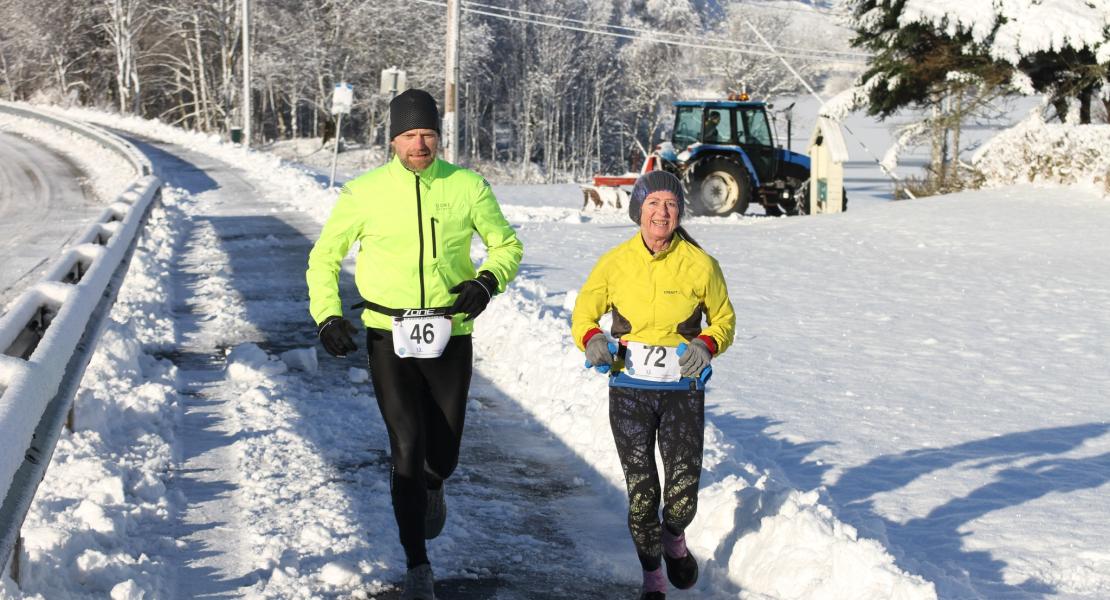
(682, 572)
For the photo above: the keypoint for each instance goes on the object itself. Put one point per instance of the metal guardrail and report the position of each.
(50, 331)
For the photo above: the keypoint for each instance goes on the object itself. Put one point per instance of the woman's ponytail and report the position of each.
(681, 231)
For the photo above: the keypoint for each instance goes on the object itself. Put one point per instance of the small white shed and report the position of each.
(827, 155)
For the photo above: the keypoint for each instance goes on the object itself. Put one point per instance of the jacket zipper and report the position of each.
(420, 231)
(433, 220)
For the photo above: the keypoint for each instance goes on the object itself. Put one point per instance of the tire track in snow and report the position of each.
(43, 205)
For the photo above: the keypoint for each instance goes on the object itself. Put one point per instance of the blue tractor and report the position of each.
(725, 154)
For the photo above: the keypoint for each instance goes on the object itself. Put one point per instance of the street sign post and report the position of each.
(394, 81)
(341, 100)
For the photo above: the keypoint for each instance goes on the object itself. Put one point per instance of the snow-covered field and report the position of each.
(914, 408)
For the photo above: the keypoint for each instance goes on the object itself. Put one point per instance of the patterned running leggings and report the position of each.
(676, 418)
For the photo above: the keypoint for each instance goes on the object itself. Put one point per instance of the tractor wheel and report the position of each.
(719, 186)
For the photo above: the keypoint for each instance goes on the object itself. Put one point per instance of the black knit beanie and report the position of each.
(654, 181)
(412, 109)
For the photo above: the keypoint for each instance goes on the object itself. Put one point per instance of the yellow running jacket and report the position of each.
(656, 299)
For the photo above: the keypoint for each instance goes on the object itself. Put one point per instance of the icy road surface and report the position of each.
(43, 205)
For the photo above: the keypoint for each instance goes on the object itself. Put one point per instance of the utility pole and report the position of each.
(246, 73)
(451, 87)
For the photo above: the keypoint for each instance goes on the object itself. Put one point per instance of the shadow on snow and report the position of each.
(932, 545)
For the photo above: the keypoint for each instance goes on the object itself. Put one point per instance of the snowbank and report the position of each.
(755, 533)
(108, 478)
(1037, 152)
(27, 386)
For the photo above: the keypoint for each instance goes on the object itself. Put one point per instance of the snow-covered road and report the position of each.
(43, 205)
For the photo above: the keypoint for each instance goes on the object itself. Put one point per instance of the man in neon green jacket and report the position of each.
(413, 220)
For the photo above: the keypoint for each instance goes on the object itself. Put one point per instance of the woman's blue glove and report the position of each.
(695, 358)
(599, 353)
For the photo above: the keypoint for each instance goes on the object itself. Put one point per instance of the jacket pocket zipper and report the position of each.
(433, 237)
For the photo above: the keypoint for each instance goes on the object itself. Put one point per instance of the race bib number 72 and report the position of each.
(652, 363)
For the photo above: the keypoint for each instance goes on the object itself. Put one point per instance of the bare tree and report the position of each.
(123, 23)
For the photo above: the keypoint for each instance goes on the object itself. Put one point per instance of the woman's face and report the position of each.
(659, 216)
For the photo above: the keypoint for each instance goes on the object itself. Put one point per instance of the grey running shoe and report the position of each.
(419, 584)
(436, 513)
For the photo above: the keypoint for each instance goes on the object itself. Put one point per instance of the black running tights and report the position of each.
(423, 404)
(676, 419)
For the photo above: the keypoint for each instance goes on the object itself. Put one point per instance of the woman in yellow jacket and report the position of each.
(659, 286)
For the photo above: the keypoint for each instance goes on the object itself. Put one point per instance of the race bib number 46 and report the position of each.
(421, 337)
(652, 363)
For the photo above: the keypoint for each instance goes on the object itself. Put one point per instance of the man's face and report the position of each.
(416, 148)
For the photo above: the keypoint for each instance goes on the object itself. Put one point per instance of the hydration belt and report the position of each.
(397, 313)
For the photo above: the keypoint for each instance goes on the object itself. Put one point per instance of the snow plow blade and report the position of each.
(607, 190)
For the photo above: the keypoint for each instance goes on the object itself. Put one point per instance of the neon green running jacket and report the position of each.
(414, 232)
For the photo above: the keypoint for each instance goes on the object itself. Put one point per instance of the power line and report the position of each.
(593, 29)
(808, 11)
(678, 36)
(674, 42)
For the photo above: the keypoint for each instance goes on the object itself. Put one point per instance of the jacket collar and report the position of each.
(641, 249)
(398, 170)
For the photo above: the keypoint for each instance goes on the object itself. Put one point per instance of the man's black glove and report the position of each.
(474, 295)
(335, 334)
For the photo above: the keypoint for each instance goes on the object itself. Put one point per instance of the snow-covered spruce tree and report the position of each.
(1061, 47)
(1066, 74)
(952, 56)
(943, 67)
